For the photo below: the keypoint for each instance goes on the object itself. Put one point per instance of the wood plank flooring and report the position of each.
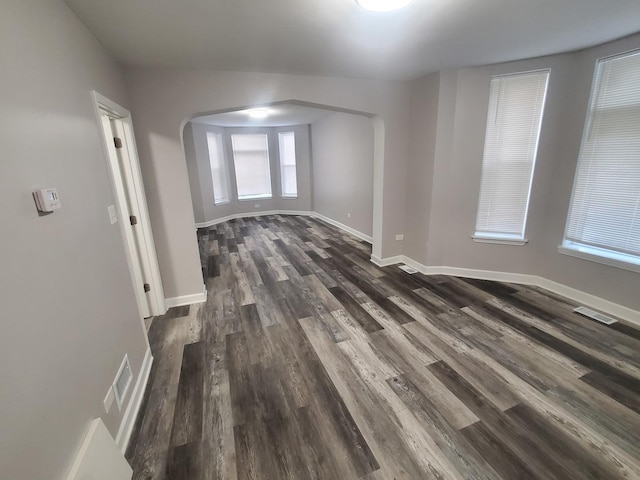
(309, 362)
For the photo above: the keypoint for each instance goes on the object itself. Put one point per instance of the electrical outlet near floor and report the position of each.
(348, 215)
(256, 205)
(400, 237)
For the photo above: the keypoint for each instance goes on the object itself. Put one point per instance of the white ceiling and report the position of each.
(337, 37)
(281, 115)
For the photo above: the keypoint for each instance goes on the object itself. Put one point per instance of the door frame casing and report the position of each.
(156, 299)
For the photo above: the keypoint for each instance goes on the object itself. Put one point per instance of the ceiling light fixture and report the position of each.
(383, 5)
(258, 113)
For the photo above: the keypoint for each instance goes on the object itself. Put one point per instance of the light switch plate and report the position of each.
(113, 216)
(399, 237)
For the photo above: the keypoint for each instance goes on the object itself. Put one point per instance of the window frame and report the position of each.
(282, 165)
(511, 239)
(223, 168)
(248, 198)
(584, 251)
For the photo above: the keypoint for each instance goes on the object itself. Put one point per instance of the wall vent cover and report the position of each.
(408, 269)
(587, 312)
(123, 381)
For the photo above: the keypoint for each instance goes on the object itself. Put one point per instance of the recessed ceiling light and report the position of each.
(383, 5)
(258, 113)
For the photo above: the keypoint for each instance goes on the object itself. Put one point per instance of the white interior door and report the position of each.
(131, 204)
(128, 213)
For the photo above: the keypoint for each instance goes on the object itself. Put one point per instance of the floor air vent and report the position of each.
(408, 269)
(123, 381)
(587, 312)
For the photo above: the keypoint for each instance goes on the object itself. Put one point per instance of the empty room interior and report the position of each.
(320, 239)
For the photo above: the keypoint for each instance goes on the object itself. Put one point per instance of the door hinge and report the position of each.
(118, 142)
(133, 219)
(147, 287)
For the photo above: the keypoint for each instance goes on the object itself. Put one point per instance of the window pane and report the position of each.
(288, 164)
(218, 170)
(251, 161)
(605, 206)
(516, 105)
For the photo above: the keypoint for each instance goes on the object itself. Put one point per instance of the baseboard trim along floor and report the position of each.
(593, 301)
(131, 413)
(187, 299)
(307, 213)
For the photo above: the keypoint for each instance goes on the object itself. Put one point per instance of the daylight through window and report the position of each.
(251, 161)
(288, 175)
(218, 170)
(516, 105)
(604, 215)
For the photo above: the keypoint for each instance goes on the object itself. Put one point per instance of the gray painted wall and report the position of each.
(66, 301)
(463, 98)
(193, 171)
(197, 157)
(424, 118)
(342, 146)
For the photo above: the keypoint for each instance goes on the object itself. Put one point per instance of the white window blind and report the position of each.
(604, 215)
(251, 161)
(218, 170)
(516, 105)
(288, 176)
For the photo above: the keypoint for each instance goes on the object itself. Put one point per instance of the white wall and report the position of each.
(201, 183)
(342, 146)
(463, 97)
(164, 99)
(66, 302)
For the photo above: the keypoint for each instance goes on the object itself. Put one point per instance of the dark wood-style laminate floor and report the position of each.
(309, 362)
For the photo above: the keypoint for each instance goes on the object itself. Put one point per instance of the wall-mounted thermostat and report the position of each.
(47, 199)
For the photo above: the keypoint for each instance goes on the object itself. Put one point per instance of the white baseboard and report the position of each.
(211, 223)
(389, 260)
(131, 413)
(606, 306)
(187, 299)
(342, 226)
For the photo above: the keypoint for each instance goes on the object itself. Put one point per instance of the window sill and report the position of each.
(500, 241)
(217, 204)
(254, 197)
(290, 197)
(584, 254)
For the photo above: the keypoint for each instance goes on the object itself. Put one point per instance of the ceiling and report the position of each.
(281, 115)
(338, 38)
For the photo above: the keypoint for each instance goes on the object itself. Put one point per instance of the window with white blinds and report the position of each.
(218, 170)
(251, 161)
(289, 181)
(604, 214)
(516, 105)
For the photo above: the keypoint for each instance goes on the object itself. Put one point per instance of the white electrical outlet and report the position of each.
(399, 237)
(348, 215)
(108, 400)
(256, 205)
(113, 216)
